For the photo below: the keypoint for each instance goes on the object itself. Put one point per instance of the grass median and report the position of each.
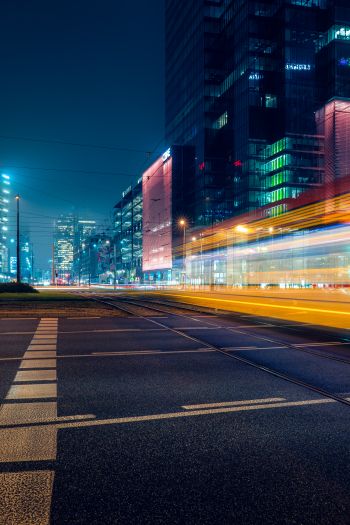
(52, 304)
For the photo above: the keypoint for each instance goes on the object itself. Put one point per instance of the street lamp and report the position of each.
(183, 224)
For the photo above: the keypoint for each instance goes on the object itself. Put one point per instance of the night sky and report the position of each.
(78, 72)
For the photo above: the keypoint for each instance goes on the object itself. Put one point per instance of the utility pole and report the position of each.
(212, 284)
(32, 262)
(89, 252)
(115, 263)
(183, 223)
(53, 265)
(18, 251)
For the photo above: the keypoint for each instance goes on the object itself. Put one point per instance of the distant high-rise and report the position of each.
(4, 210)
(84, 229)
(27, 258)
(64, 244)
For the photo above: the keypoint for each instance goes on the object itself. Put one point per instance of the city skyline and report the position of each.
(79, 88)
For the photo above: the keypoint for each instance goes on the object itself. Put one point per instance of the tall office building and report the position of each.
(127, 247)
(249, 85)
(194, 113)
(333, 72)
(167, 199)
(4, 210)
(64, 245)
(84, 229)
(27, 258)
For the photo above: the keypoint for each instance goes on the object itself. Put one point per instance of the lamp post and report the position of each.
(89, 255)
(183, 224)
(193, 279)
(18, 251)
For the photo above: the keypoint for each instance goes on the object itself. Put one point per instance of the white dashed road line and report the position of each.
(26, 495)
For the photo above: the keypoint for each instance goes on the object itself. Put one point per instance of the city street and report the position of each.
(168, 416)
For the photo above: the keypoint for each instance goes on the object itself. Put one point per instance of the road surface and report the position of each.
(150, 418)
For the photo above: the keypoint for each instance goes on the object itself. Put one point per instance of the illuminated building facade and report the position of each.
(4, 211)
(84, 229)
(127, 249)
(64, 246)
(244, 80)
(167, 189)
(95, 259)
(27, 258)
(333, 70)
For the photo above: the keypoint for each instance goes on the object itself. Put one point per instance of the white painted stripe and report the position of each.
(51, 335)
(234, 403)
(38, 354)
(40, 363)
(329, 343)
(83, 318)
(27, 444)
(35, 375)
(150, 352)
(41, 342)
(243, 348)
(26, 497)
(175, 415)
(115, 330)
(40, 391)
(22, 413)
(196, 327)
(18, 318)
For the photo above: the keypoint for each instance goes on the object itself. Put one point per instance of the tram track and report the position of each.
(267, 369)
(305, 350)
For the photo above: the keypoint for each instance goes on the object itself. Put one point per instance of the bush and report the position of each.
(17, 288)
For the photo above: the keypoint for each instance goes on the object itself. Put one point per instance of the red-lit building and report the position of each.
(166, 191)
(333, 121)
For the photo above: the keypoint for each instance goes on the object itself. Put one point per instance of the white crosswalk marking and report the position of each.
(26, 496)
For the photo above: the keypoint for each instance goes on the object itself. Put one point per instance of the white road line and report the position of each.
(191, 413)
(18, 318)
(196, 327)
(22, 413)
(27, 495)
(114, 330)
(17, 333)
(151, 352)
(329, 343)
(243, 348)
(83, 318)
(27, 444)
(37, 354)
(51, 335)
(36, 375)
(28, 391)
(52, 341)
(234, 403)
(38, 363)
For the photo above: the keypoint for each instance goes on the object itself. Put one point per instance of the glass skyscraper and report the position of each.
(247, 84)
(4, 211)
(64, 244)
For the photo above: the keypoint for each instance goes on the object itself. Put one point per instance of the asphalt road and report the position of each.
(141, 420)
